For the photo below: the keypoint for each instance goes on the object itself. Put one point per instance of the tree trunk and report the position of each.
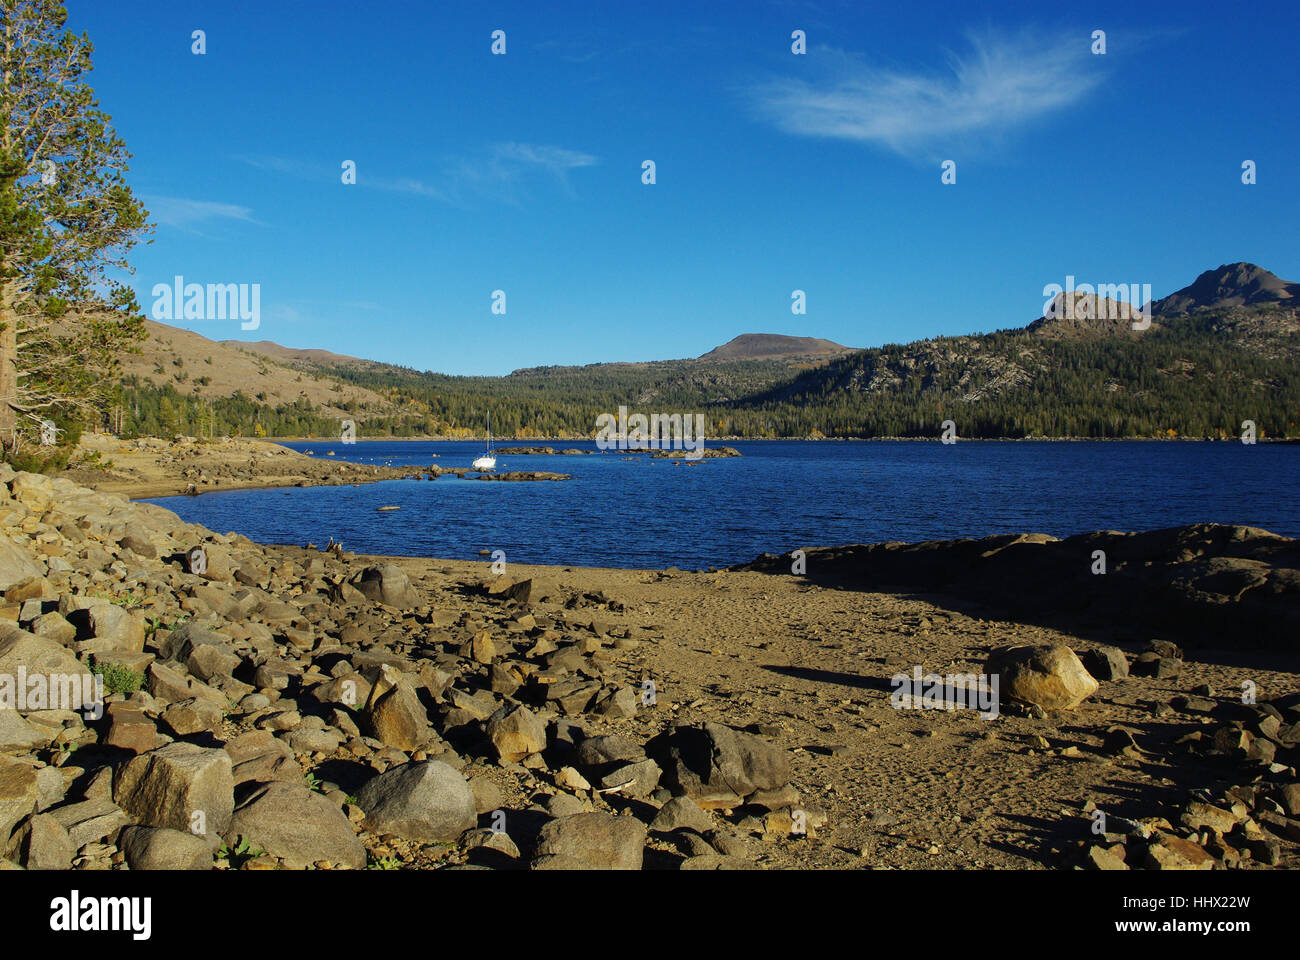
(8, 365)
(8, 314)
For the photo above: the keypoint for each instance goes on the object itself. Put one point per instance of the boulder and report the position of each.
(1199, 815)
(16, 564)
(51, 787)
(1291, 799)
(169, 786)
(310, 740)
(517, 734)
(637, 780)
(387, 583)
(211, 661)
(193, 715)
(482, 649)
(298, 826)
(679, 813)
(41, 843)
(19, 736)
(34, 589)
(179, 643)
(139, 544)
(487, 839)
(591, 841)
(1103, 858)
(258, 755)
(570, 779)
(19, 793)
(398, 718)
(171, 686)
(276, 675)
(18, 648)
(53, 626)
(1106, 663)
(113, 628)
(1167, 852)
(620, 703)
(158, 848)
(515, 592)
(420, 801)
(609, 748)
(90, 821)
(716, 766)
(487, 795)
(1049, 676)
(130, 729)
(33, 490)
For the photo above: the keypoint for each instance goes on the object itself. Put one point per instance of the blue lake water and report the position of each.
(780, 495)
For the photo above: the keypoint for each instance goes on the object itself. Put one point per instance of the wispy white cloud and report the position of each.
(492, 172)
(1003, 83)
(571, 50)
(283, 165)
(281, 314)
(185, 213)
(332, 173)
(557, 160)
(411, 185)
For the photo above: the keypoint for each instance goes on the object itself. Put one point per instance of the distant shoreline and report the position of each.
(153, 468)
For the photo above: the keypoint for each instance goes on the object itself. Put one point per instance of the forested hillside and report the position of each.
(1222, 350)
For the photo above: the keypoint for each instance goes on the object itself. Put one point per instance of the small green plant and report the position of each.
(313, 782)
(128, 599)
(117, 678)
(384, 863)
(236, 856)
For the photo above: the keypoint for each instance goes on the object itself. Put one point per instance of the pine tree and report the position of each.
(67, 221)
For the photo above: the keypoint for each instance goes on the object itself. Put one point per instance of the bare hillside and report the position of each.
(195, 365)
(294, 356)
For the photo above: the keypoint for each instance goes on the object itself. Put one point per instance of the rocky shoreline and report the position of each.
(279, 706)
(150, 467)
(1201, 582)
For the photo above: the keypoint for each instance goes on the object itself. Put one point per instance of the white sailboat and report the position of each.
(487, 461)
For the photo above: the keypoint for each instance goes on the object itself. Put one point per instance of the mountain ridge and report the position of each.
(1230, 285)
(767, 346)
(1223, 349)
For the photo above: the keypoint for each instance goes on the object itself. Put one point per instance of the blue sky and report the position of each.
(775, 171)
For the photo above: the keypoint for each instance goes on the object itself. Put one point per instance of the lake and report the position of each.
(778, 496)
